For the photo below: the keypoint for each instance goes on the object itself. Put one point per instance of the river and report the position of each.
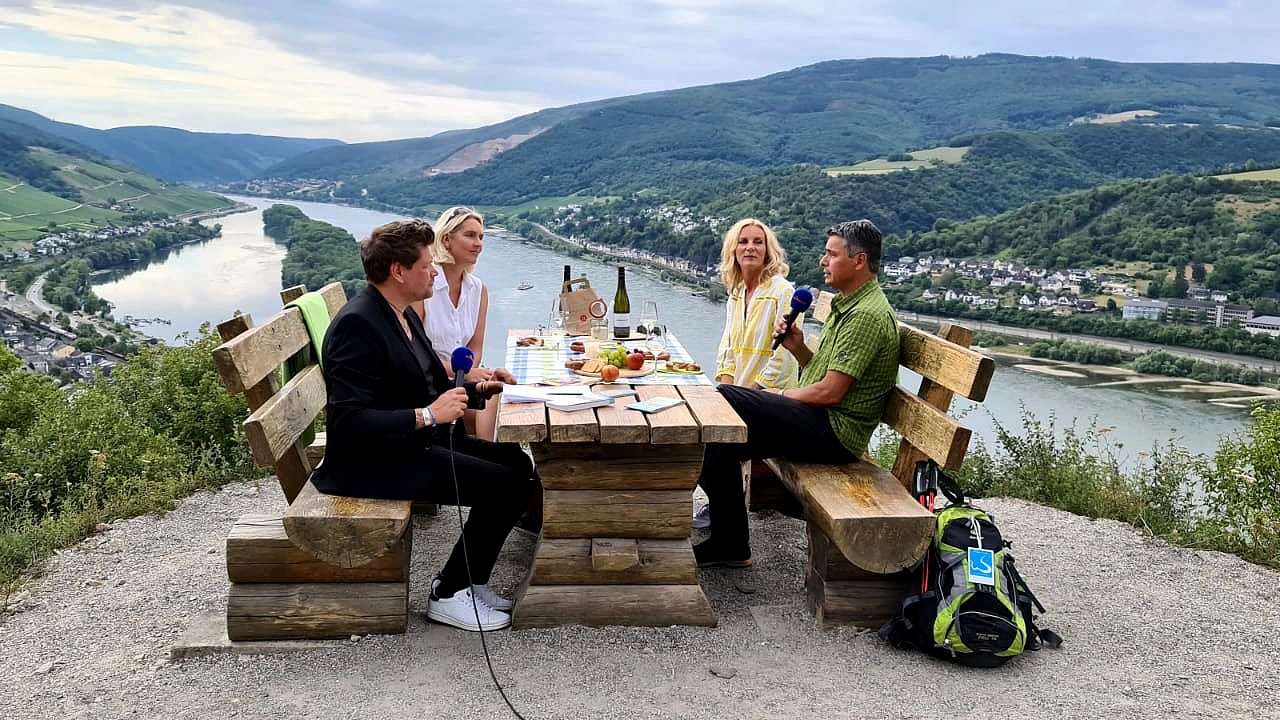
(240, 270)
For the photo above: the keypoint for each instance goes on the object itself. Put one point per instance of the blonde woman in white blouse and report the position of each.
(754, 269)
(454, 315)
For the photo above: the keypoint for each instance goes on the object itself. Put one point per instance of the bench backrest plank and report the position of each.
(936, 395)
(927, 428)
(246, 359)
(943, 361)
(275, 427)
(246, 362)
(947, 367)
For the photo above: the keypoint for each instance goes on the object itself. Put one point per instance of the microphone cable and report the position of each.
(457, 494)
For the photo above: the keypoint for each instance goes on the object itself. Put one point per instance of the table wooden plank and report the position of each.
(573, 426)
(713, 413)
(618, 425)
(673, 426)
(522, 422)
(595, 466)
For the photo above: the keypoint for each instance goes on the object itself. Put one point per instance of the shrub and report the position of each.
(160, 427)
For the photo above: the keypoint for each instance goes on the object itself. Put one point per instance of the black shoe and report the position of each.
(531, 523)
(709, 553)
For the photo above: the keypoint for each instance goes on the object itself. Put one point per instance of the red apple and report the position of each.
(635, 360)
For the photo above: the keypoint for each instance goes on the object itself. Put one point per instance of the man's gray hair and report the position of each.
(860, 236)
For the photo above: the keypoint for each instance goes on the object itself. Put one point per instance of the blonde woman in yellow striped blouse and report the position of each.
(754, 269)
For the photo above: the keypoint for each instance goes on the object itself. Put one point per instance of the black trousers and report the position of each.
(496, 480)
(776, 427)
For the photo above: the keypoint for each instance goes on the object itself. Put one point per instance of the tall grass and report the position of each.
(1229, 501)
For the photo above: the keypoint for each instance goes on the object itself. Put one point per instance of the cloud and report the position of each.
(216, 73)
(364, 69)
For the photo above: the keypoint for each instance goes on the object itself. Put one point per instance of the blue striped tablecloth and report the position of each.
(535, 364)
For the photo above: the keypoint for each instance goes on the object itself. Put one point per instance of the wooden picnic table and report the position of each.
(617, 506)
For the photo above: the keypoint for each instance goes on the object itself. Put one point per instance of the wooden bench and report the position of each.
(325, 566)
(864, 529)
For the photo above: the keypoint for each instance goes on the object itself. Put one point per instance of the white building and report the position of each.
(1139, 309)
(1263, 325)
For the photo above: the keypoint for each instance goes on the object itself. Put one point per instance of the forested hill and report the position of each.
(318, 253)
(1002, 171)
(51, 184)
(174, 154)
(832, 113)
(1232, 225)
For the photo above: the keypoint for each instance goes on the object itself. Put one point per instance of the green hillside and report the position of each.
(1001, 171)
(46, 180)
(174, 154)
(830, 114)
(1233, 226)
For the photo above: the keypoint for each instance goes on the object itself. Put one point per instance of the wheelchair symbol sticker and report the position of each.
(982, 566)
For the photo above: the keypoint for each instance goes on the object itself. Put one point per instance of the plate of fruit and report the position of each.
(618, 360)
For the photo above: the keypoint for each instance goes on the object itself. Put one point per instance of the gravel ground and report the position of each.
(1151, 632)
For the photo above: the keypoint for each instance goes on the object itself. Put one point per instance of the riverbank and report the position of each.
(560, 244)
(1223, 394)
(141, 583)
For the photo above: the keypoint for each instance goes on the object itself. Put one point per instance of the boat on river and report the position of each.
(524, 285)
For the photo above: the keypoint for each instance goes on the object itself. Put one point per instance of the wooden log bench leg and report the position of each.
(840, 593)
(281, 592)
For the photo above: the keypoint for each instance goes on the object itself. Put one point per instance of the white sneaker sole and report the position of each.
(468, 624)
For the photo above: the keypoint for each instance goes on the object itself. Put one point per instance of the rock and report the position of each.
(45, 669)
(120, 582)
(213, 550)
(101, 527)
(93, 583)
(724, 671)
(746, 587)
(355, 638)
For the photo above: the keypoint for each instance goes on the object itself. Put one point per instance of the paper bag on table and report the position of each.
(576, 298)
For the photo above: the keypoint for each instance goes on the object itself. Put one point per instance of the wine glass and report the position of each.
(557, 319)
(656, 341)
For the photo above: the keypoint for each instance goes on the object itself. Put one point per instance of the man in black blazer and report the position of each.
(391, 411)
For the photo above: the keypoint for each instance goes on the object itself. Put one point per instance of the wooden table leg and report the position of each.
(615, 546)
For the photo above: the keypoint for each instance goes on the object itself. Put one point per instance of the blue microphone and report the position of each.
(462, 360)
(800, 302)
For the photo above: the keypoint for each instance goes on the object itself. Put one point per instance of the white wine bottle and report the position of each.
(621, 308)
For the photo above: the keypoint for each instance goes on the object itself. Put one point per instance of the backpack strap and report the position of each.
(949, 486)
(899, 631)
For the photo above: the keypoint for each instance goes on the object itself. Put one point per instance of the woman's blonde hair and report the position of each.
(449, 221)
(775, 262)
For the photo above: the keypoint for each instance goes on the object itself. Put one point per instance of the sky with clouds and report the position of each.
(380, 69)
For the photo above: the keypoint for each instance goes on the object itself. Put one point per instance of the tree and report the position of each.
(1227, 274)
(1197, 272)
(8, 361)
(1111, 305)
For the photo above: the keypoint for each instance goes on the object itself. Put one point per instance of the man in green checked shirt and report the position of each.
(829, 418)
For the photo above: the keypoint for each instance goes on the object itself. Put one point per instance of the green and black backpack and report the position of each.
(973, 607)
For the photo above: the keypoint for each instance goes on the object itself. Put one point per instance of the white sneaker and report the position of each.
(492, 599)
(458, 612)
(702, 518)
(485, 593)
